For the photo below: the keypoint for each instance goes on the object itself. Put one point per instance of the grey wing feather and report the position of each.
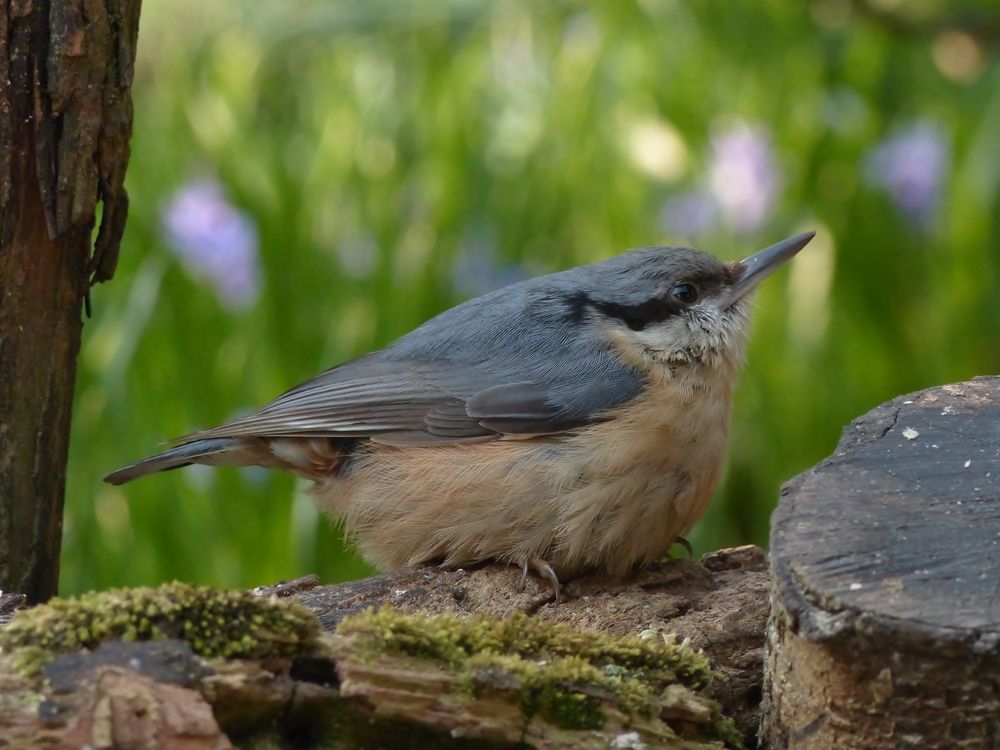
(519, 408)
(407, 405)
(504, 363)
(533, 408)
(365, 398)
(174, 458)
(515, 400)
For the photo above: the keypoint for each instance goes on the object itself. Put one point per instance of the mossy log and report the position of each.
(718, 604)
(525, 674)
(885, 623)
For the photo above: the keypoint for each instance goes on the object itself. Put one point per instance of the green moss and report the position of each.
(453, 639)
(726, 731)
(563, 674)
(231, 624)
(567, 689)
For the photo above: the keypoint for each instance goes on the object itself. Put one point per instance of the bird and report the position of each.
(573, 422)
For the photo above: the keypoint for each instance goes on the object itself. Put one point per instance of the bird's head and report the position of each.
(673, 306)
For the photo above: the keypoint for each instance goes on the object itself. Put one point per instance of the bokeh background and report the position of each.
(310, 180)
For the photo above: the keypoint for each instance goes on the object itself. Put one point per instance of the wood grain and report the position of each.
(719, 604)
(885, 624)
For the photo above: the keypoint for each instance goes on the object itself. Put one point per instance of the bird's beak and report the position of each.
(753, 269)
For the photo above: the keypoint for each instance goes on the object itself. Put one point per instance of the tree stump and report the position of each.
(885, 559)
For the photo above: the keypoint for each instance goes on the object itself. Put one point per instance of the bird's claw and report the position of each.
(545, 571)
(686, 545)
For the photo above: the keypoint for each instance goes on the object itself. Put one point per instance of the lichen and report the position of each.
(563, 674)
(228, 624)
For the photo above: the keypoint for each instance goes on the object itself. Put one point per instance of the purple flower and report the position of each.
(215, 241)
(910, 167)
(688, 214)
(358, 255)
(743, 177)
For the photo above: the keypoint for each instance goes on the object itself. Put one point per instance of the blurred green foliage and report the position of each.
(379, 146)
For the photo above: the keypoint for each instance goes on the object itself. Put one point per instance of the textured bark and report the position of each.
(885, 619)
(65, 119)
(159, 693)
(718, 604)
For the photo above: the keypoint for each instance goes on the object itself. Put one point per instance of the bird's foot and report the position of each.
(686, 545)
(545, 571)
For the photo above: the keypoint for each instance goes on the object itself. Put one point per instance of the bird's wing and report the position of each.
(428, 402)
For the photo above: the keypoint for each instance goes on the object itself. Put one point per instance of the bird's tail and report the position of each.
(210, 451)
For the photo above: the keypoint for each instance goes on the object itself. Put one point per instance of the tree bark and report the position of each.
(159, 692)
(885, 614)
(65, 119)
(718, 604)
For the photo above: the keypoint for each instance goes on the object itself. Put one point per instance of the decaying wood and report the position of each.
(65, 119)
(394, 689)
(885, 625)
(9, 604)
(121, 696)
(719, 604)
(161, 693)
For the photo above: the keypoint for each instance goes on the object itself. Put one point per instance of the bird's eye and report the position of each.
(685, 293)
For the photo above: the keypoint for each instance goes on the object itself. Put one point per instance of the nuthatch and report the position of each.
(571, 422)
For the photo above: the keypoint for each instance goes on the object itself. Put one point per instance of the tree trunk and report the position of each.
(65, 119)
(885, 614)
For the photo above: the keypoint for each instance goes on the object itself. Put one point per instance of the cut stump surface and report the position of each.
(885, 623)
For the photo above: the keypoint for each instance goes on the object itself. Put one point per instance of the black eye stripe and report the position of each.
(639, 316)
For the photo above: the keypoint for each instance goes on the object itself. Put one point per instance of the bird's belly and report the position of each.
(610, 496)
(645, 481)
